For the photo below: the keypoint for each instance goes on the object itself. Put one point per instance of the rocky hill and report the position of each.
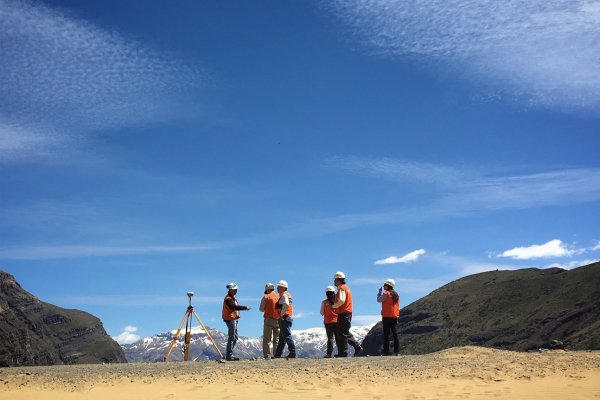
(517, 310)
(36, 333)
(310, 343)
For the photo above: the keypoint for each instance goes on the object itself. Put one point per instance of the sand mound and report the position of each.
(464, 372)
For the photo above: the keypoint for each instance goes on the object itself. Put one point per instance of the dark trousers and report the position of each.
(330, 330)
(389, 326)
(344, 337)
(285, 337)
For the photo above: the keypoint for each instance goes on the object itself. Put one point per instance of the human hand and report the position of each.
(379, 291)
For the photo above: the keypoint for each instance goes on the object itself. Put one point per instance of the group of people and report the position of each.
(336, 309)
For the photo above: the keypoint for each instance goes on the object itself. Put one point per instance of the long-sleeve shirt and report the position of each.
(381, 297)
(341, 299)
(262, 305)
(233, 304)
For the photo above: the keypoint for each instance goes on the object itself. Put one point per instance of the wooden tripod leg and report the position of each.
(166, 357)
(208, 334)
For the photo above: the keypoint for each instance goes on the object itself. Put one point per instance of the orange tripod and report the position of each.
(187, 318)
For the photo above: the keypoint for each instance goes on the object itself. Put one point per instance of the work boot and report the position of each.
(327, 356)
(291, 356)
(232, 358)
(341, 355)
(358, 349)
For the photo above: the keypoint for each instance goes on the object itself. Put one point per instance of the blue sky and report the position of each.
(150, 148)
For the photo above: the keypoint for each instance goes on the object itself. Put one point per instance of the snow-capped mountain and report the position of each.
(310, 343)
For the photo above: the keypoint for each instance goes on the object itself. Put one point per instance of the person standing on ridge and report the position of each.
(284, 304)
(268, 306)
(329, 319)
(231, 314)
(390, 312)
(343, 308)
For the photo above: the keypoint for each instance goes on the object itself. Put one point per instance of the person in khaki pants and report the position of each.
(271, 315)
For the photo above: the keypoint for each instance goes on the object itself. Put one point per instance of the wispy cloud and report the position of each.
(405, 259)
(553, 248)
(128, 335)
(596, 247)
(545, 53)
(62, 78)
(79, 251)
(573, 264)
(404, 285)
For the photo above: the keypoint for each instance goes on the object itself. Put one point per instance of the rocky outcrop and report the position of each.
(36, 333)
(516, 310)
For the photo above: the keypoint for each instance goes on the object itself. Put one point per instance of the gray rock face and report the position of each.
(515, 310)
(36, 333)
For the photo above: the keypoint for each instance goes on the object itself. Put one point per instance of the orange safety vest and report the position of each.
(390, 308)
(347, 306)
(229, 314)
(270, 302)
(290, 311)
(330, 316)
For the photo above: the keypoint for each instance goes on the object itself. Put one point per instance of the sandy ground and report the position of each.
(458, 373)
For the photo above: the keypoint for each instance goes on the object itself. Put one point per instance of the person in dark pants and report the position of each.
(231, 314)
(285, 321)
(329, 319)
(343, 308)
(390, 312)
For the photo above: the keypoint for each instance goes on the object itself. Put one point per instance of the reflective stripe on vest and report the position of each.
(330, 316)
(389, 307)
(347, 306)
(271, 310)
(229, 314)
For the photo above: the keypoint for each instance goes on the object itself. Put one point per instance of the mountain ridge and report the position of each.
(514, 310)
(33, 332)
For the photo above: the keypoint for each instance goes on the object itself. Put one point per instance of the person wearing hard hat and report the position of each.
(286, 311)
(329, 319)
(231, 314)
(343, 308)
(390, 312)
(268, 306)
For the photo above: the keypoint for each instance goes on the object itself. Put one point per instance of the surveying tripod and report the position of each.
(187, 318)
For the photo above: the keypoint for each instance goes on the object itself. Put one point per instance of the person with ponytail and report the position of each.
(330, 319)
(390, 313)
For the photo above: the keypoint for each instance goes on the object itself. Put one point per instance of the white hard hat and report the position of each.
(231, 286)
(390, 282)
(339, 275)
(269, 286)
(282, 283)
(330, 289)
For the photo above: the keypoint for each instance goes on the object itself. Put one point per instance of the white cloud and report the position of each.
(572, 264)
(596, 247)
(553, 248)
(405, 259)
(62, 78)
(128, 335)
(543, 53)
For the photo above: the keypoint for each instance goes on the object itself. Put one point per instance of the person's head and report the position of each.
(339, 278)
(389, 284)
(330, 293)
(269, 287)
(282, 286)
(232, 288)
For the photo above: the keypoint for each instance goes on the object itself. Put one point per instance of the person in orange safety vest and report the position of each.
(286, 311)
(343, 307)
(390, 313)
(268, 306)
(330, 319)
(231, 314)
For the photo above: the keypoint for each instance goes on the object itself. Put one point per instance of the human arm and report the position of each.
(262, 305)
(341, 299)
(322, 308)
(284, 301)
(234, 306)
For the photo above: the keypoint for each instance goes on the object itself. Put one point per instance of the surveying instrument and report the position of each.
(187, 318)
